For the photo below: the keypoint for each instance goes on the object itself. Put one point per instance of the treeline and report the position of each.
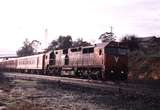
(146, 45)
(143, 57)
(28, 48)
(63, 42)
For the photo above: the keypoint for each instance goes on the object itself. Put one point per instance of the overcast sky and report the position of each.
(20, 19)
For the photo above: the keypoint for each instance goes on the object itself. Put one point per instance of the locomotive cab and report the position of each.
(116, 61)
(52, 58)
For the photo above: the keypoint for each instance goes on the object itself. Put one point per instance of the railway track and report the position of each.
(118, 87)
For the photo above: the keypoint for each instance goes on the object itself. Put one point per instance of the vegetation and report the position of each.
(28, 48)
(79, 42)
(131, 41)
(143, 57)
(107, 37)
(64, 42)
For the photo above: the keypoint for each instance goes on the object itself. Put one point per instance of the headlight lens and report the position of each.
(112, 71)
(122, 72)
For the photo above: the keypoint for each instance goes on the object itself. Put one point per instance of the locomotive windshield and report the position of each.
(116, 51)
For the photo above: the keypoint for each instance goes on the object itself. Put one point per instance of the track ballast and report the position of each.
(118, 87)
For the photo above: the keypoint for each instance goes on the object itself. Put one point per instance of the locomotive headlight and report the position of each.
(112, 71)
(122, 72)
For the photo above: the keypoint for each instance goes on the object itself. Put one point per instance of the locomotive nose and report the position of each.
(122, 72)
(116, 58)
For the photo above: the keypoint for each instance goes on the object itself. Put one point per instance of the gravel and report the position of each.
(41, 95)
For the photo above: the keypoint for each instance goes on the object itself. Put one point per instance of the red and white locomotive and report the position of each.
(103, 60)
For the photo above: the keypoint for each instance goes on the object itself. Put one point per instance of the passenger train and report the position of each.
(107, 61)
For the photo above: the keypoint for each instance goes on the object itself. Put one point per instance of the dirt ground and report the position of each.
(40, 95)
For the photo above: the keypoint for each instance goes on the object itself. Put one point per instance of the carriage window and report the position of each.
(88, 50)
(52, 56)
(116, 51)
(100, 51)
(122, 51)
(111, 51)
(75, 49)
(65, 51)
(66, 60)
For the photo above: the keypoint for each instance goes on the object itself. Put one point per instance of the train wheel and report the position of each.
(56, 72)
(103, 76)
(44, 72)
(83, 74)
(80, 72)
(37, 72)
(90, 76)
(77, 73)
(93, 74)
(59, 71)
(99, 75)
(124, 77)
(32, 71)
(50, 71)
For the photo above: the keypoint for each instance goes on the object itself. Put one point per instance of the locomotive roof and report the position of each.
(88, 46)
(102, 45)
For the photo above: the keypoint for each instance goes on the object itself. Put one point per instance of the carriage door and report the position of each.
(52, 58)
(66, 60)
(43, 62)
(100, 55)
(66, 57)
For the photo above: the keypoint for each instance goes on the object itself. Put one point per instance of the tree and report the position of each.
(107, 37)
(80, 42)
(28, 48)
(35, 44)
(53, 45)
(131, 41)
(64, 42)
